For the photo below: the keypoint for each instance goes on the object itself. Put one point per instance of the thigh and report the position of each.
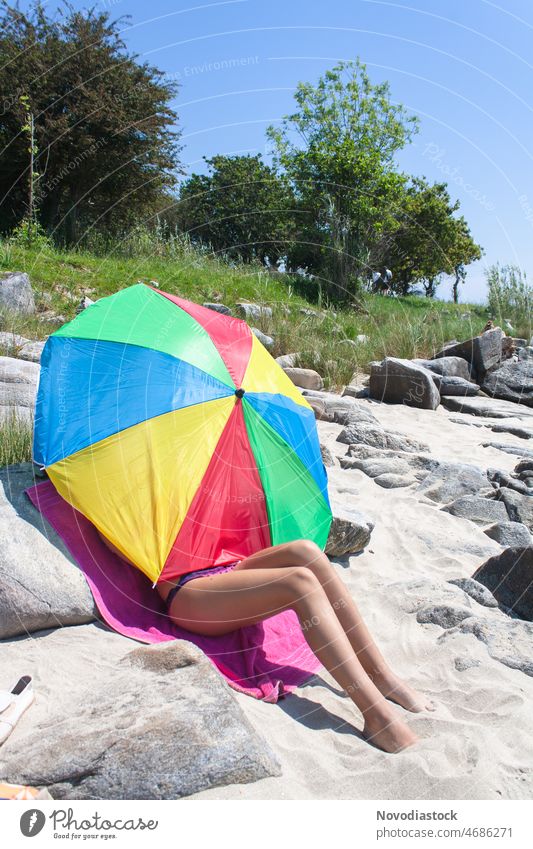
(274, 557)
(222, 603)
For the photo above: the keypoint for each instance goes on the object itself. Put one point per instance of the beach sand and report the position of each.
(478, 744)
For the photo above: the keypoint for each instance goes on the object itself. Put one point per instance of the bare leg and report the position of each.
(221, 603)
(306, 554)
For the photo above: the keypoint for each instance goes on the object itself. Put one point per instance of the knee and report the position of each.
(305, 552)
(299, 584)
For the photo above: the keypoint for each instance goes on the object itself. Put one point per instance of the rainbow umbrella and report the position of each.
(173, 430)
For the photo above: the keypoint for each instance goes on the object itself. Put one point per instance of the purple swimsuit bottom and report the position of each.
(199, 573)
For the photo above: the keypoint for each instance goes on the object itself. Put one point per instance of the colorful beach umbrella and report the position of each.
(173, 430)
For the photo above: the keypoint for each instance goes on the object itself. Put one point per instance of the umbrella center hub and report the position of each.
(239, 393)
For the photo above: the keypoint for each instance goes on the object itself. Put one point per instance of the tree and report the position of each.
(338, 150)
(427, 240)
(240, 208)
(103, 125)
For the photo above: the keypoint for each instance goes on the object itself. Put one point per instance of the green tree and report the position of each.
(338, 152)
(428, 240)
(240, 208)
(103, 125)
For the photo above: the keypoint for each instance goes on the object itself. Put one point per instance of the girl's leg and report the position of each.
(305, 553)
(221, 603)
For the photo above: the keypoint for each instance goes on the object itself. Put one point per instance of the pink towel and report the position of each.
(265, 660)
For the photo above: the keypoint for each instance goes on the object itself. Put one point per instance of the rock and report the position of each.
(524, 466)
(253, 312)
(160, 724)
(512, 382)
(350, 530)
(455, 386)
(265, 340)
(340, 409)
(483, 352)
(443, 615)
(464, 663)
(506, 481)
(515, 430)
(526, 353)
(447, 367)
(221, 308)
(40, 584)
(16, 293)
(304, 377)
(403, 382)
(509, 576)
(372, 434)
(12, 341)
(327, 457)
(510, 534)
(357, 390)
(32, 351)
(509, 449)
(448, 482)
(508, 641)
(287, 360)
(18, 388)
(482, 511)
(488, 407)
(392, 481)
(475, 590)
(318, 406)
(519, 507)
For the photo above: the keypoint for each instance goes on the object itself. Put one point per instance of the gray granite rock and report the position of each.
(265, 340)
(447, 367)
(508, 641)
(448, 385)
(510, 534)
(16, 294)
(350, 529)
(509, 576)
(31, 351)
(519, 507)
(392, 481)
(505, 480)
(512, 382)
(221, 308)
(475, 590)
(522, 431)
(376, 436)
(161, 724)
(483, 352)
(304, 377)
(11, 342)
(340, 410)
(464, 663)
(447, 482)
(287, 360)
(356, 390)
(40, 584)
(526, 353)
(444, 615)
(327, 457)
(494, 408)
(400, 381)
(18, 388)
(509, 449)
(253, 312)
(482, 511)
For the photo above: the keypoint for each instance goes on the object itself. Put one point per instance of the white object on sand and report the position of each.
(13, 703)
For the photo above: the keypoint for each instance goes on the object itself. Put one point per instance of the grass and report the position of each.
(326, 341)
(15, 440)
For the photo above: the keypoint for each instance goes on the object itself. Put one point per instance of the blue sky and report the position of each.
(465, 68)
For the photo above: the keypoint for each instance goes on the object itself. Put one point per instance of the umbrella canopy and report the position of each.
(173, 430)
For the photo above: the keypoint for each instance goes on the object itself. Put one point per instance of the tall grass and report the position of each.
(511, 298)
(15, 440)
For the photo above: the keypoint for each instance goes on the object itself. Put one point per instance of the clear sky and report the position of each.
(465, 67)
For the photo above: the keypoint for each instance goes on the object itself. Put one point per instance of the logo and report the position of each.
(32, 822)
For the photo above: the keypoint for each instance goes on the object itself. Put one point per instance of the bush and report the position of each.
(16, 436)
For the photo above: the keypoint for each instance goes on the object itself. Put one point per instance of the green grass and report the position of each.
(401, 327)
(15, 440)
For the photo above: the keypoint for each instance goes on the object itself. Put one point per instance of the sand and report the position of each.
(479, 742)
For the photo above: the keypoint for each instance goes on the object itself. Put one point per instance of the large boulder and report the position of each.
(447, 367)
(339, 409)
(483, 352)
(40, 584)
(221, 308)
(18, 388)
(446, 482)
(399, 381)
(253, 312)
(493, 408)
(509, 576)
(512, 382)
(265, 340)
(482, 511)
(31, 351)
(16, 294)
(519, 506)
(153, 722)
(510, 534)
(287, 360)
(455, 385)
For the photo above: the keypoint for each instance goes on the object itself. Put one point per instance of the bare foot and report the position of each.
(402, 694)
(388, 732)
